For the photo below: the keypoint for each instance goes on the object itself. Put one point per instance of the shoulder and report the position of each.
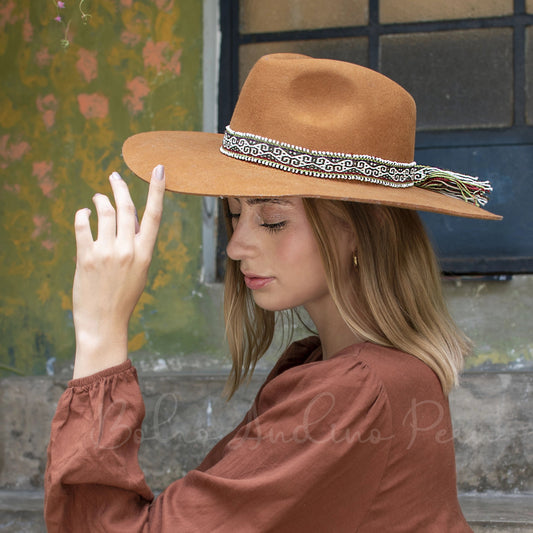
(386, 370)
(389, 362)
(347, 377)
(341, 370)
(341, 395)
(363, 373)
(401, 377)
(394, 369)
(380, 361)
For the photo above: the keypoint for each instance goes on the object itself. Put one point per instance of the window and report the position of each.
(469, 66)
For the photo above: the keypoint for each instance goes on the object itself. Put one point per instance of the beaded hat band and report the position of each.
(335, 165)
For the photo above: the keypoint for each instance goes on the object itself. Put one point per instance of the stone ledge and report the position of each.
(498, 508)
(501, 528)
(21, 511)
(21, 500)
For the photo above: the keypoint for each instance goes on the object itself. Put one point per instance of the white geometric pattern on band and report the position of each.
(277, 154)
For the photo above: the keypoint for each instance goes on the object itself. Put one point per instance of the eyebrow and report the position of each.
(258, 201)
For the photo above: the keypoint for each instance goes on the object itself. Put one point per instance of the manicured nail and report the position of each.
(159, 172)
(115, 176)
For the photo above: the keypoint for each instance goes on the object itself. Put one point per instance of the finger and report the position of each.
(106, 218)
(154, 208)
(126, 213)
(82, 230)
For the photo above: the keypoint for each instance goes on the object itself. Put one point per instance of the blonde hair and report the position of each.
(393, 298)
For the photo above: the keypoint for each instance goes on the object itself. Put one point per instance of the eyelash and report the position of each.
(272, 228)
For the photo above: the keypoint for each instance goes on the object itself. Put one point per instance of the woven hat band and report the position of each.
(335, 165)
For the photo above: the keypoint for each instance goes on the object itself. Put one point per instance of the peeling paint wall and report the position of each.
(75, 82)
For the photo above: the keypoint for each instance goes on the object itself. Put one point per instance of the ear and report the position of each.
(347, 239)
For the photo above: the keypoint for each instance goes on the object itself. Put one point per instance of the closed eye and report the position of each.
(277, 226)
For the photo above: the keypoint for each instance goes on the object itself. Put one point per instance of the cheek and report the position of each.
(289, 249)
(300, 252)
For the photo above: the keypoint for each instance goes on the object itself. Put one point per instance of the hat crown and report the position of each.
(328, 106)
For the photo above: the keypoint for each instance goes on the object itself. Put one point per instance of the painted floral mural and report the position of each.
(77, 78)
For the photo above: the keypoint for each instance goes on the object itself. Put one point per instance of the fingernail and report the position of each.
(115, 176)
(159, 172)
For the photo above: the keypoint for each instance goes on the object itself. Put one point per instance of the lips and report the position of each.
(254, 282)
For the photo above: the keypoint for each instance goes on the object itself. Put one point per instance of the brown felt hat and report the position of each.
(312, 128)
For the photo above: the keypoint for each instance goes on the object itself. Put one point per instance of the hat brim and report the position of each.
(194, 165)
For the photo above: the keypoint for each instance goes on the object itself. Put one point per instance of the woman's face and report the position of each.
(278, 254)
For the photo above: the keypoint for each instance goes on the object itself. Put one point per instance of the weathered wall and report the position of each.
(72, 90)
(497, 316)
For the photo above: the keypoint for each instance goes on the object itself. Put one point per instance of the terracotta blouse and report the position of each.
(361, 442)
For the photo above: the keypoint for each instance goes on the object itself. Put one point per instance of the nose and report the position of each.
(241, 244)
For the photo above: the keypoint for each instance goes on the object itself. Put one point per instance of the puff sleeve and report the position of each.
(309, 456)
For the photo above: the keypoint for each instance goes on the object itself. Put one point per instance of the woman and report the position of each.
(351, 430)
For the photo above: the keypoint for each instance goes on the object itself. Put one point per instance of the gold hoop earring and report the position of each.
(355, 261)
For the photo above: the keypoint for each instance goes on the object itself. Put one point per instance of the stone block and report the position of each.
(493, 429)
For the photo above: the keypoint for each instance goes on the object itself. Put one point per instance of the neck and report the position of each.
(334, 333)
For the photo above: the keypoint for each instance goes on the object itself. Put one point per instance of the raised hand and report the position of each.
(111, 272)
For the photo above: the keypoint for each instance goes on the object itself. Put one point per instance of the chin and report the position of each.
(269, 305)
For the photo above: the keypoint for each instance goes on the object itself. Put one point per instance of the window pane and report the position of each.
(422, 10)
(352, 49)
(259, 16)
(459, 79)
(529, 74)
(529, 6)
(462, 240)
